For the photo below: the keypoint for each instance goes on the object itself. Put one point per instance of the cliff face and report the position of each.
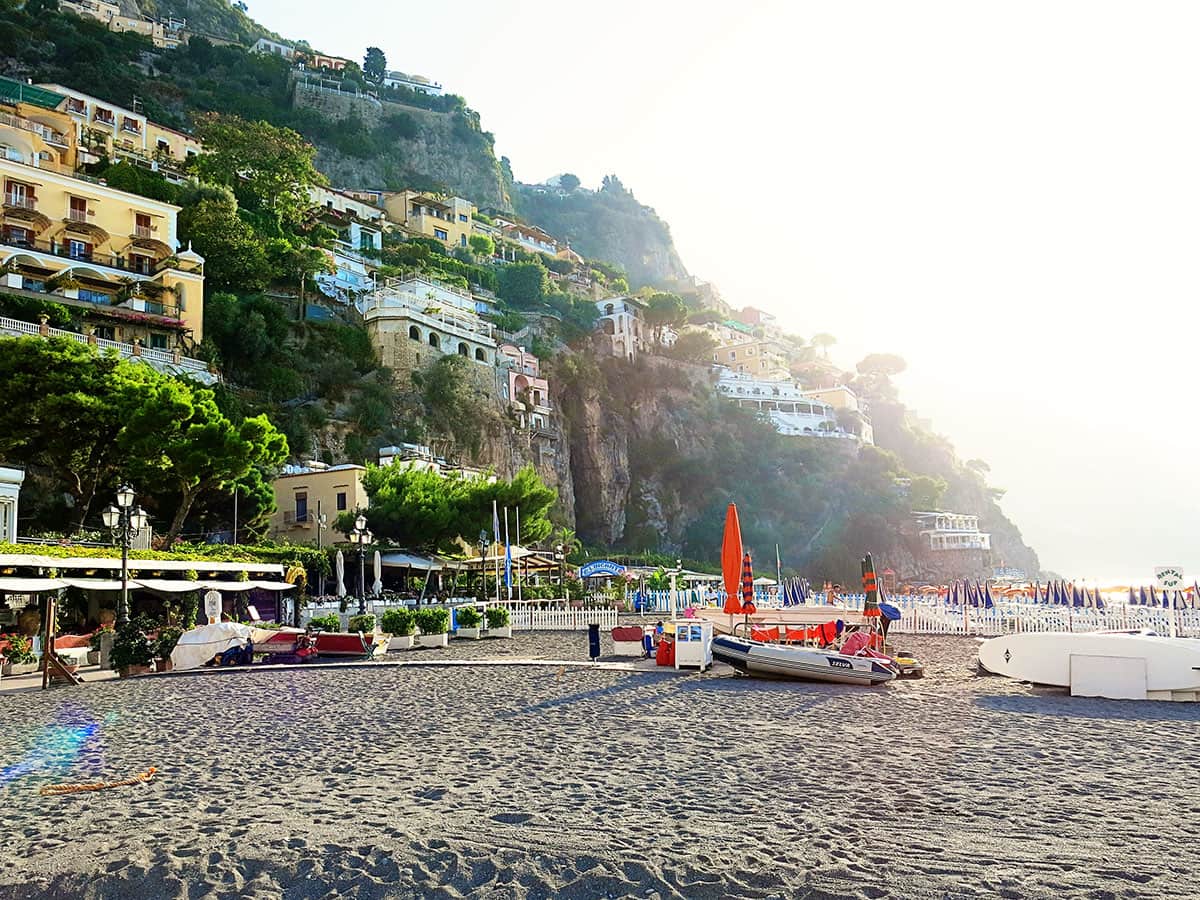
(443, 152)
(608, 224)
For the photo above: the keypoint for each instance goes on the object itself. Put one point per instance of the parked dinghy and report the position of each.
(783, 661)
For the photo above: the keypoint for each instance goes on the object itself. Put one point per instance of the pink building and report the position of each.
(527, 391)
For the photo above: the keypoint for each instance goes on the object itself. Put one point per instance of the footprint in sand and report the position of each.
(512, 818)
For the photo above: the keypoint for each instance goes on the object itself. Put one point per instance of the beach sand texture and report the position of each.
(520, 783)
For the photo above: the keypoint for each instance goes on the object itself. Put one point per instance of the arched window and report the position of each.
(433, 340)
(414, 333)
(480, 356)
(462, 349)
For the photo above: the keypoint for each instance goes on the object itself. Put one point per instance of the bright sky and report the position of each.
(1005, 194)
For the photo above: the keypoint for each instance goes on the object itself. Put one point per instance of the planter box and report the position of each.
(503, 632)
(133, 670)
(434, 640)
(20, 668)
(401, 642)
(162, 664)
(470, 634)
(93, 658)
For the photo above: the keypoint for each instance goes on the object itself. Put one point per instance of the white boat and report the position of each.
(783, 661)
(1116, 665)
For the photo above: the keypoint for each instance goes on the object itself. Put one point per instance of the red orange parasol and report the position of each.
(731, 560)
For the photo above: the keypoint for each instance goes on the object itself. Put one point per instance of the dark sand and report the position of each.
(517, 782)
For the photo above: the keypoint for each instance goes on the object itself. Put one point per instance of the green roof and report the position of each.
(19, 92)
(738, 326)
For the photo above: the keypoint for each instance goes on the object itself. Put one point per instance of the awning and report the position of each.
(8, 560)
(95, 584)
(30, 585)
(273, 585)
(410, 561)
(236, 586)
(167, 586)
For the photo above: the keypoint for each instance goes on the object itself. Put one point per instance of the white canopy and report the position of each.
(273, 585)
(96, 584)
(167, 586)
(400, 560)
(30, 585)
(236, 586)
(764, 580)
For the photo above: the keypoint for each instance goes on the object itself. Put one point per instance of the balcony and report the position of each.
(297, 518)
(46, 133)
(143, 231)
(19, 201)
(62, 251)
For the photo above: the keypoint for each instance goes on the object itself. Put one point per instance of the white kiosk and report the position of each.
(693, 643)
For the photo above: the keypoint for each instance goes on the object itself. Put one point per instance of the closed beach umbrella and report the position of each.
(377, 587)
(339, 568)
(1132, 597)
(1099, 600)
(987, 597)
(747, 585)
(731, 560)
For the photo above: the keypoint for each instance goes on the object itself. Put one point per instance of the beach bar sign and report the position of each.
(601, 568)
(1169, 578)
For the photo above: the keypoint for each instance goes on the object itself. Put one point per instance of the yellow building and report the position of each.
(310, 497)
(106, 129)
(763, 359)
(113, 254)
(166, 34)
(449, 219)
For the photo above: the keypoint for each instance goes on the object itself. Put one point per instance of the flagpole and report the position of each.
(496, 544)
(520, 594)
(507, 558)
(778, 577)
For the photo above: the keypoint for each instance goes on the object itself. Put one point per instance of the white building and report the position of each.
(10, 490)
(273, 48)
(355, 253)
(622, 324)
(413, 82)
(952, 531)
(791, 409)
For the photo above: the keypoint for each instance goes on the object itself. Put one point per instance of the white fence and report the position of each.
(522, 616)
(933, 616)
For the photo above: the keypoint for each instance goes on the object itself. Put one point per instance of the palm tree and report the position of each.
(569, 540)
(824, 341)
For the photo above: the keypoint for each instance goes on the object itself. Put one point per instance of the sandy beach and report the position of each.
(546, 782)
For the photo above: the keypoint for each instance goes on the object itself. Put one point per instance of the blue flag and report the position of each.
(508, 565)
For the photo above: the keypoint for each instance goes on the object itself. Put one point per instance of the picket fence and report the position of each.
(522, 618)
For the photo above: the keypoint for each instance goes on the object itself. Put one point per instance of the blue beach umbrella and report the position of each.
(1099, 600)
(987, 597)
(1142, 601)
(1076, 596)
(1132, 597)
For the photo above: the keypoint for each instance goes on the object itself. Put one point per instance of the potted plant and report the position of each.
(362, 624)
(399, 623)
(19, 658)
(469, 619)
(168, 637)
(93, 656)
(330, 622)
(131, 652)
(434, 623)
(498, 622)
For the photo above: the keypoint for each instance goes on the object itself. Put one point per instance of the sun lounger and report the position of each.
(627, 640)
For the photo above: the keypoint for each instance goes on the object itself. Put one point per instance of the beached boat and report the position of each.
(782, 661)
(1099, 664)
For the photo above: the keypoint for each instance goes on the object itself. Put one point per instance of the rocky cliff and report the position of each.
(608, 224)
(430, 151)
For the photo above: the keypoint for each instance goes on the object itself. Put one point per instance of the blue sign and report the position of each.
(601, 567)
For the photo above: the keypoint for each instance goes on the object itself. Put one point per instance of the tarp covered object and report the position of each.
(198, 646)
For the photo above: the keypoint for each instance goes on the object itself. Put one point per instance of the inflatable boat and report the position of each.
(807, 664)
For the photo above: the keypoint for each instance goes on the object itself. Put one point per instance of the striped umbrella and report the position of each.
(747, 585)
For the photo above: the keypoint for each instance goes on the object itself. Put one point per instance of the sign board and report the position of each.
(213, 606)
(252, 612)
(600, 568)
(1169, 578)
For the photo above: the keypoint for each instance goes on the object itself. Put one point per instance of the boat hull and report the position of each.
(1170, 664)
(801, 663)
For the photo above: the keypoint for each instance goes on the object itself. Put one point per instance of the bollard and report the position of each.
(594, 641)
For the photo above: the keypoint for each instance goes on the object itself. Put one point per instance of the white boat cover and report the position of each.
(198, 646)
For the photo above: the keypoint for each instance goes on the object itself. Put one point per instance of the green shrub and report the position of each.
(364, 623)
(497, 617)
(468, 617)
(330, 622)
(167, 639)
(131, 647)
(433, 620)
(399, 622)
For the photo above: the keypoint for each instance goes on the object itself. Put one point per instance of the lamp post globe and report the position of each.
(125, 496)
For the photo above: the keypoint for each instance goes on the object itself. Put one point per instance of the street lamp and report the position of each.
(124, 520)
(561, 556)
(361, 536)
(484, 543)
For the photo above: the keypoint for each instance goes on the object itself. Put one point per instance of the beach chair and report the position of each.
(627, 640)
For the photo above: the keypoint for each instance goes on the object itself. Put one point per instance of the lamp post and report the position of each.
(484, 543)
(123, 520)
(361, 536)
(561, 557)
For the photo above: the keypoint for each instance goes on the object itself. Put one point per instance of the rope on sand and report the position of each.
(54, 790)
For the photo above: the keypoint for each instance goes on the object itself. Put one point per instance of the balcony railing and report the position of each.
(49, 134)
(143, 231)
(77, 215)
(63, 251)
(15, 327)
(18, 201)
